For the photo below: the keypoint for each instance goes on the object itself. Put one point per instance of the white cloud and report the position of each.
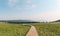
(28, 1)
(30, 6)
(33, 6)
(12, 3)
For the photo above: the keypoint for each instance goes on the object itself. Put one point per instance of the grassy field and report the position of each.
(44, 29)
(48, 29)
(7, 29)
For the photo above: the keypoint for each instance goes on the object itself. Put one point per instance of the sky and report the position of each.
(46, 10)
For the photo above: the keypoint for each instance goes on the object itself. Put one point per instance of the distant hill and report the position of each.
(16, 21)
(19, 21)
(57, 21)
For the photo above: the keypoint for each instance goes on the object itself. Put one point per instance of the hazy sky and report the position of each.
(30, 9)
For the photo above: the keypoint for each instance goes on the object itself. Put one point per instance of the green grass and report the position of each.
(44, 29)
(13, 29)
(48, 29)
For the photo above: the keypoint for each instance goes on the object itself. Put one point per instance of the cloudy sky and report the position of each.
(30, 9)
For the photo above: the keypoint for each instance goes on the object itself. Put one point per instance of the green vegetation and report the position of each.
(49, 29)
(44, 29)
(7, 29)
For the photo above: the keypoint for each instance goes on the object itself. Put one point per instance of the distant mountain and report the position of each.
(17, 21)
(20, 21)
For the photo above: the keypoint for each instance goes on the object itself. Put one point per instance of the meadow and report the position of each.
(49, 29)
(44, 29)
(7, 29)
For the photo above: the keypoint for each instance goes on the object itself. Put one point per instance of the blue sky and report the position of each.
(30, 9)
